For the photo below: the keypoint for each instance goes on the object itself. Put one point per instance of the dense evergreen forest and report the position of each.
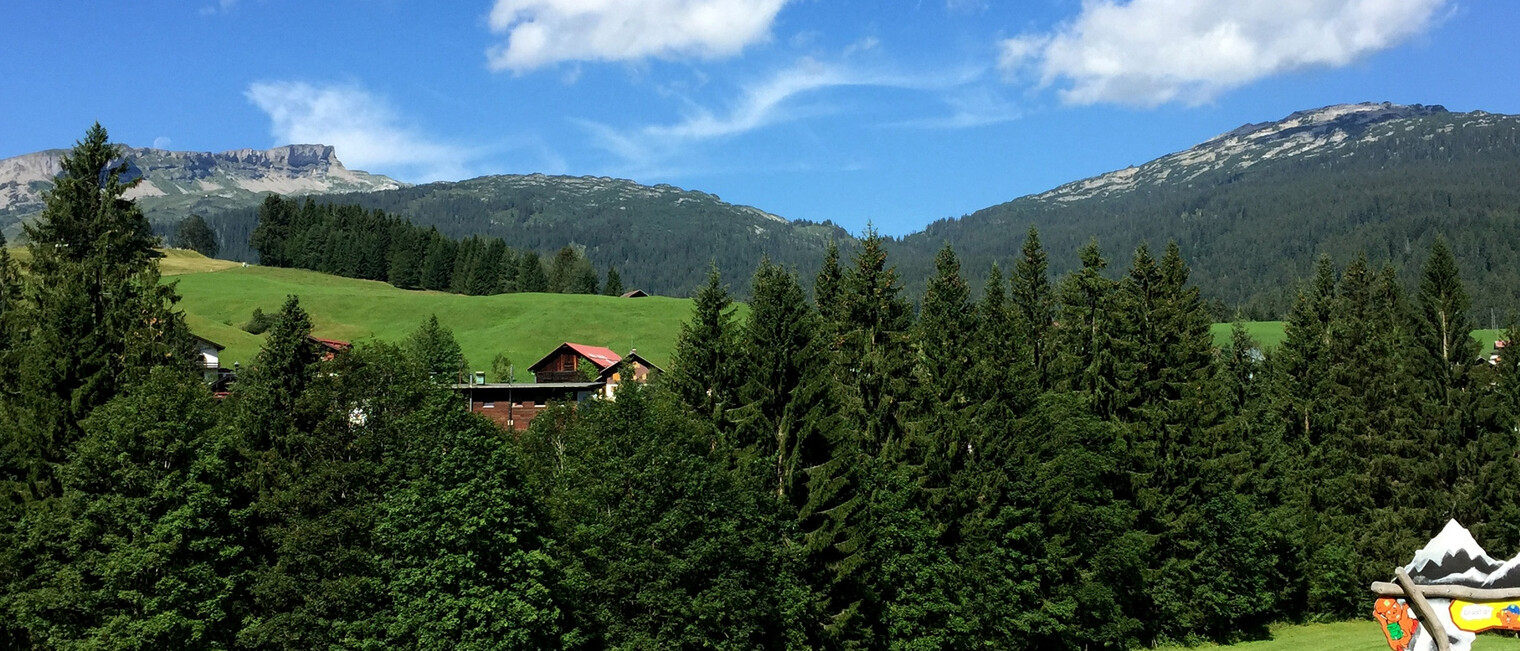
(1067, 465)
(346, 240)
(663, 238)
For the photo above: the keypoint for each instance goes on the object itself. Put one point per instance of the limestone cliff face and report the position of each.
(175, 181)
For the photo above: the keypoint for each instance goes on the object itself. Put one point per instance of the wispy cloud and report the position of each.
(1150, 52)
(544, 32)
(366, 132)
(221, 7)
(793, 94)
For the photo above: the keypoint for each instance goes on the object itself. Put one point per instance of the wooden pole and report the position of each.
(1385, 589)
(1422, 608)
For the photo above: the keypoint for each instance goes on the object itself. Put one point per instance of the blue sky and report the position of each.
(896, 113)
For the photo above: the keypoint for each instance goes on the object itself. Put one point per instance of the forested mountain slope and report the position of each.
(661, 239)
(1254, 207)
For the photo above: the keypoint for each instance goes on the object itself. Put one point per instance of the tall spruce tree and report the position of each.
(614, 284)
(94, 318)
(1034, 302)
(828, 285)
(530, 273)
(1086, 362)
(271, 237)
(790, 421)
(438, 263)
(876, 351)
(944, 338)
(702, 368)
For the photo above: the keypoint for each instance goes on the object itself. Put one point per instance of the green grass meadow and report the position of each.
(1341, 636)
(523, 326)
(1270, 334)
(220, 295)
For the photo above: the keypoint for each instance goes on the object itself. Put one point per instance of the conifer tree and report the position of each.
(1086, 362)
(1494, 502)
(193, 233)
(702, 368)
(1445, 325)
(875, 348)
(485, 274)
(314, 434)
(94, 318)
(828, 285)
(271, 237)
(152, 557)
(655, 537)
(530, 273)
(434, 348)
(614, 284)
(563, 270)
(944, 337)
(468, 252)
(1034, 303)
(584, 281)
(408, 249)
(438, 263)
(10, 296)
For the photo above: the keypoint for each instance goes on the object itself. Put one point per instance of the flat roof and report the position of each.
(530, 385)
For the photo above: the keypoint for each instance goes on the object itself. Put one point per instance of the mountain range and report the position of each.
(175, 184)
(1251, 208)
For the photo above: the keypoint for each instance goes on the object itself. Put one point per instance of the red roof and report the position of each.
(602, 357)
(334, 344)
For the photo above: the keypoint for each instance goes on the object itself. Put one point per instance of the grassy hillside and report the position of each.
(524, 326)
(176, 262)
(1270, 334)
(1341, 636)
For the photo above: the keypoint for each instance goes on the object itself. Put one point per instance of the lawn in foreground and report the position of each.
(523, 326)
(1342, 636)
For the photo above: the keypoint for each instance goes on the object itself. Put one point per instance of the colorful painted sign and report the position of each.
(1485, 616)
(1397, 621)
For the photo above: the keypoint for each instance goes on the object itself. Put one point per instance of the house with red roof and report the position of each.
(570, 373)
(574, 363)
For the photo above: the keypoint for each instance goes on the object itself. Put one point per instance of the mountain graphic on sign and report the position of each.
(1453, 557)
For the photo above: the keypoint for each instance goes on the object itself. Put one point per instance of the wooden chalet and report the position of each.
(329, 348)
(211, 358)
(574, 363)
(632, 368)
(572, 372)
(635, 293)
(514, 405)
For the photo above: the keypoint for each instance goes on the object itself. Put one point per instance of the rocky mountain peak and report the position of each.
(1303, 133)
(174, 181)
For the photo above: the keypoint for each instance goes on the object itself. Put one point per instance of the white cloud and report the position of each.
(1149, 52)
(543, 32)
(784, 97)
(366, 133)
(221, 7)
